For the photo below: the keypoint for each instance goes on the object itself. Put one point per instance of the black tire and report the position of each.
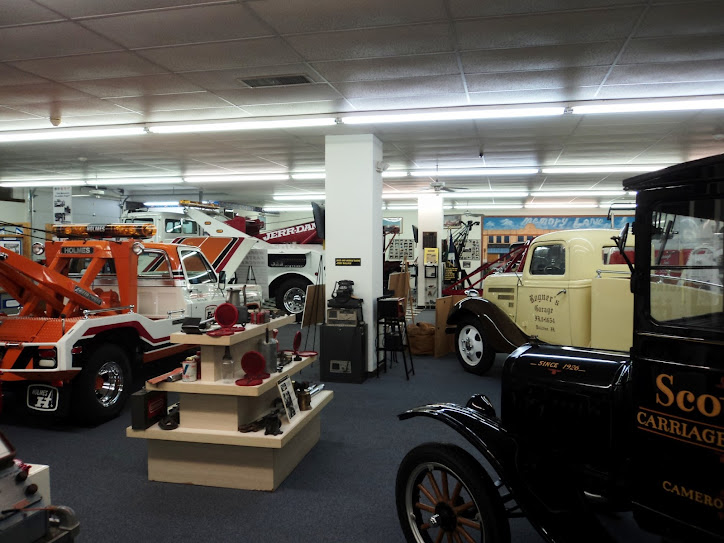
(291, 295)
(101, 389)
(462, 498)
(474, 352)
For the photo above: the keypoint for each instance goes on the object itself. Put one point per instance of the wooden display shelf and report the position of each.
(231, 389)
(251, 331)
(229, 437)
(207, 447)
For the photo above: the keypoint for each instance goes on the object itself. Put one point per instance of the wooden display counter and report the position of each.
(207, 447)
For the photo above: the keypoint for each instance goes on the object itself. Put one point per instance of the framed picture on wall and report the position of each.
(430, 272)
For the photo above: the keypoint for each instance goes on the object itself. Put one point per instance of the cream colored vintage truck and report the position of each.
(571, 288)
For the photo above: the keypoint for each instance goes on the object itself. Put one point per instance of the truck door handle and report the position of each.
(562, 291)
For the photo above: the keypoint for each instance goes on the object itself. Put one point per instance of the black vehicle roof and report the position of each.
(702, 170)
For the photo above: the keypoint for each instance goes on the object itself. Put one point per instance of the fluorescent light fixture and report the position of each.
(464, 194)
(308, 176)
(472, 172)
(137, 181)
(559, 206)
(395, 174)
(454, 115)
(488, 206)
(640, 107)
(232, 178)
(59, 183)
(602, 169)
(240, 125)
(575, 193)
(287, 208)
(309, 197)
(161, 204)
(625, 206)
(401, 207)
(402, 195)
(70, 133)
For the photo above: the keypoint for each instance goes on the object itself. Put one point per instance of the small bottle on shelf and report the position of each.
(227, 367)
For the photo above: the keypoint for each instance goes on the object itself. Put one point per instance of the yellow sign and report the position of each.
(347, 261)
(431, 256)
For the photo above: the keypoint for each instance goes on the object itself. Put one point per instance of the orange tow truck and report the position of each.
(103, 300)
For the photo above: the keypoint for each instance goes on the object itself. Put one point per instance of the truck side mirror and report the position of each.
(222, 279)
(620, 242)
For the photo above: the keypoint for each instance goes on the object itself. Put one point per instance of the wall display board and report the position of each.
(402, 249)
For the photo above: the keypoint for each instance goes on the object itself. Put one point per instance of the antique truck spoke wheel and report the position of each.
(444, 495)
(474, 353)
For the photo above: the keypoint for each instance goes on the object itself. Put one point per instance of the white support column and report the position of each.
(353, 222)
(430, 219)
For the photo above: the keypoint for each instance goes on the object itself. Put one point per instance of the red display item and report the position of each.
(226, 315)
(253, 365)
(295, 349)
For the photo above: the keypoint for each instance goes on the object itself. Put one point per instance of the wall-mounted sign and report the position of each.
(553, 223)
(62, 204)
(347, 261)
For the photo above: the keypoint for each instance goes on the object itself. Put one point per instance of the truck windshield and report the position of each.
(687, 272)
(197, 268)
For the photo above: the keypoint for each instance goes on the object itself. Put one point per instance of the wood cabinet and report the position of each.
(207, 448)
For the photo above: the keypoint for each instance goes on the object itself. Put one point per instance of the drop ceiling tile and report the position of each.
(14, 95)
(218, 80)
(546, 29)
(96, 66)
(221, 56)
(195, 114)
(373, 42)
(532, 96)
(388, 68)
(536, 80)
(661, 90)
(679, 72)
(9, 114)
(280, 95)
(12, 76)
(681, 19)
(395, 88)
(170, 102)
(20, 12)
(540, 58)
(180, 26)
(303, 108)
(292, 17)
(135, 86)
(673, 49)
(50, 40)
(76, 8)
(71, 108)
(475, 8)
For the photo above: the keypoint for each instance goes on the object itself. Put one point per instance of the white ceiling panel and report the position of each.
(388, 68)
(203, 114)
(13, 76)
(71, 108)
(14, 95)
(681, 19)
(374, 42)
(532, 96)
(20, 12)
(170, 102)
(673, 49)
(662, 90)
(297, 108)
(181, 26)
(683, 72)
(297, 17)
(50, 40)
(474, 8)
(121, 87)
(222, 56)
(546, 29)
(76, 8)
(416, 86)
(90, 67)
(280, 95)
(7, 114)
(409, 102)
(541, 79)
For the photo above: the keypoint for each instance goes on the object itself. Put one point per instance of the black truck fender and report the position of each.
(477, 423)
(499, 329)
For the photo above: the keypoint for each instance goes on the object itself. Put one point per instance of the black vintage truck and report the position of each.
(586, 431)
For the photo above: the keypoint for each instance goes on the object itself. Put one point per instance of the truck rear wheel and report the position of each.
(474, 353)
(291, 295)
(102, 387)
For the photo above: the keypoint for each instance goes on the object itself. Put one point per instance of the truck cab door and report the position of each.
(202, 284)
(543, 305)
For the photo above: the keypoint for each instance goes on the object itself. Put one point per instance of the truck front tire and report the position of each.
(102, 387)
(291, 295)
(474, 353)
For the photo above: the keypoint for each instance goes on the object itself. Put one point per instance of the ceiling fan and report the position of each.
(439, 186)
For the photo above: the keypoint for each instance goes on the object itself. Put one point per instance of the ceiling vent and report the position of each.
(275, 81)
